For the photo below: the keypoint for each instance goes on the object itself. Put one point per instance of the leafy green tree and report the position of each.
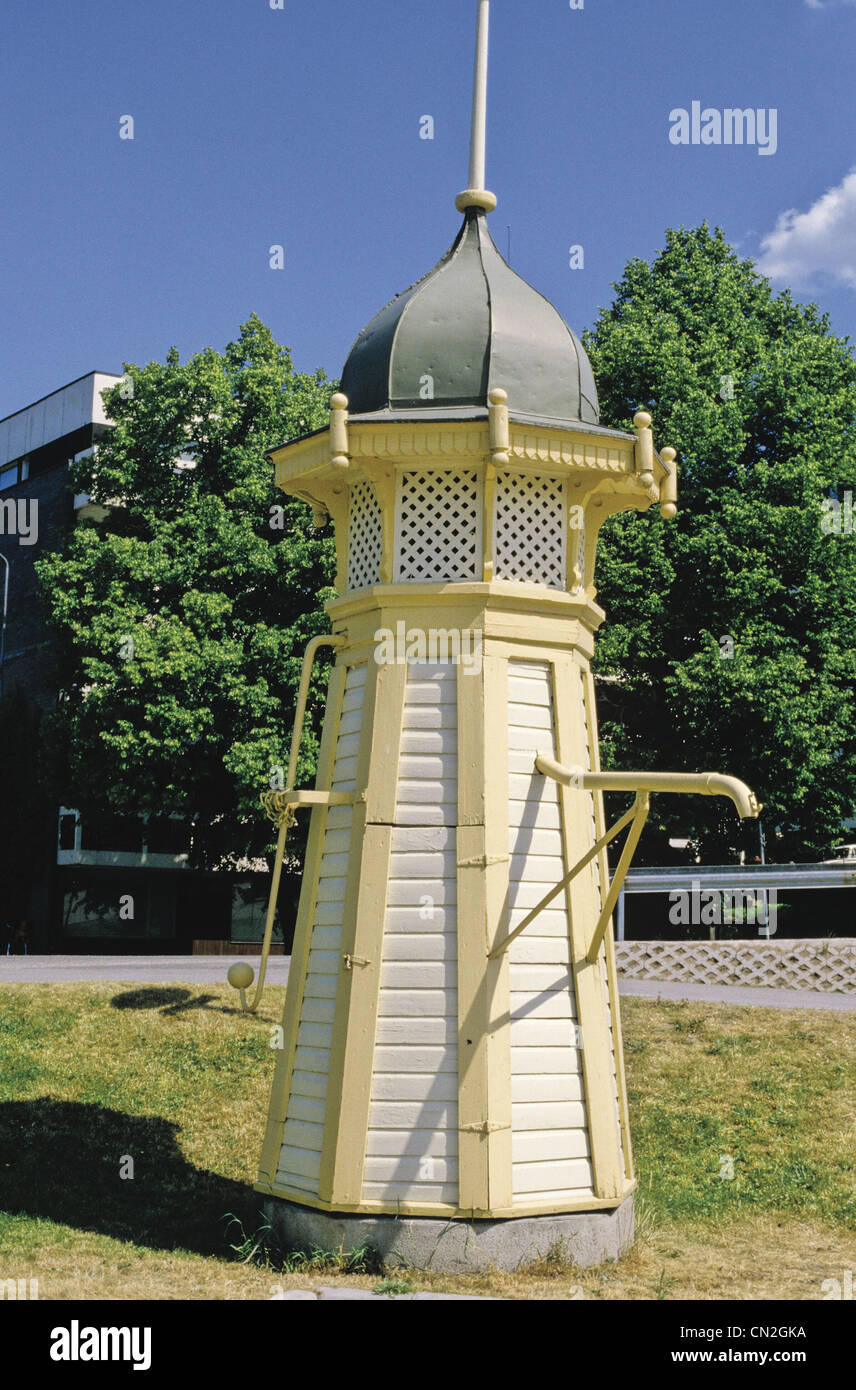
(183, 614)
(730, 641)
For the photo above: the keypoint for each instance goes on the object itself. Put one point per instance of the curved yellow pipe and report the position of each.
(699, 783)
(278, 807)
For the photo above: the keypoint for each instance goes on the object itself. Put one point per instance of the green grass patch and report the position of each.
(737, 1115)
(737, 1110)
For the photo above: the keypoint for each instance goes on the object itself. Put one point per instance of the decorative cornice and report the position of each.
(403, 442)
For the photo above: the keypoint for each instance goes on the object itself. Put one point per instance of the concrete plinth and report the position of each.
(459, 1247)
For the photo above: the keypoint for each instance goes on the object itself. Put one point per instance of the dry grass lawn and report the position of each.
(176, 1079)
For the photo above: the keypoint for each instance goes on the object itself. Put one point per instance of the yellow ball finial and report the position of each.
(642, 420)
(241, 975)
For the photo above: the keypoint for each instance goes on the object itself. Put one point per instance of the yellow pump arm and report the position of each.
(643, 784)
(280, 807)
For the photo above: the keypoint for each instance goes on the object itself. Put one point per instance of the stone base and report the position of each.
(581, 1238)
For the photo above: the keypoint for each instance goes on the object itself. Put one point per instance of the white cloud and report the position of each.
(820, 242)
(827, 4)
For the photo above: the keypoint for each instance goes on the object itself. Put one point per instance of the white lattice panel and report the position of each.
(529, 529)
(438, 526)
(829, 966)
(365, 537)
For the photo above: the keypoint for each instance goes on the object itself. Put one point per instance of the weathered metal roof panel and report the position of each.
(470, 324)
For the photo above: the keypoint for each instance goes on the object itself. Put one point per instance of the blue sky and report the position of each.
(301, 127)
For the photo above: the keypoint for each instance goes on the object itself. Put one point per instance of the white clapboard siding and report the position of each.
(564, 1086)
(549, 1134)
(412, 1139)
(303, 1134)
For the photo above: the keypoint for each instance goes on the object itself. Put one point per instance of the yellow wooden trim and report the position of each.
(338, 506)
(588, 979)
(488, 523)
(444, 1210)
(383, 479)
(502, 593)
(312, 797)
(281, 1084)
(382, 781)
(497, 986)
(471, 936)
(618, 1042)
(352, 1057)
(440, 442)
(473, 1190)
(611, 970)
(515, 650)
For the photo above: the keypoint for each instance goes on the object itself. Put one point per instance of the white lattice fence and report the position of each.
(829, 966)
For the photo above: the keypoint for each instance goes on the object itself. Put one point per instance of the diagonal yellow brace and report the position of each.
(598, 845)
(639, 812)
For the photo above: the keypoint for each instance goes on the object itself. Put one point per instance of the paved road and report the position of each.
(196, 970)
(208, 970)
(740, 994)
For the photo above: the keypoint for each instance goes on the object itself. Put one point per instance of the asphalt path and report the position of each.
(208, 970)
(156, 970)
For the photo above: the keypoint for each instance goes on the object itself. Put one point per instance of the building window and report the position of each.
(118, 906)
(249, 909)
(18, 471)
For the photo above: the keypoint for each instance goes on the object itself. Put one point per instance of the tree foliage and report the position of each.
(730, 641)
(182, 616)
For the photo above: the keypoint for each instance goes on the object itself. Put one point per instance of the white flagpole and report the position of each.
(476, 195)
(479, 131)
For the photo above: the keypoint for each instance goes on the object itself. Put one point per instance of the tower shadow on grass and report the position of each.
(60, 1161)
(169, 1001)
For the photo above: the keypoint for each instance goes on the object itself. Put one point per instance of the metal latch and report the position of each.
(351, 961)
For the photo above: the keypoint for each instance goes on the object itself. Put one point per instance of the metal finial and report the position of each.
(476, 195)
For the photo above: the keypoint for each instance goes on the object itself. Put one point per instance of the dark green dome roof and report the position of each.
(471, 324)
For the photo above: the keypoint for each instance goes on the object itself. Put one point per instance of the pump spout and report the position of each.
(697, 783)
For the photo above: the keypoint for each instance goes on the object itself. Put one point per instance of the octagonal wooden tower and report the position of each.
(417, 1076)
